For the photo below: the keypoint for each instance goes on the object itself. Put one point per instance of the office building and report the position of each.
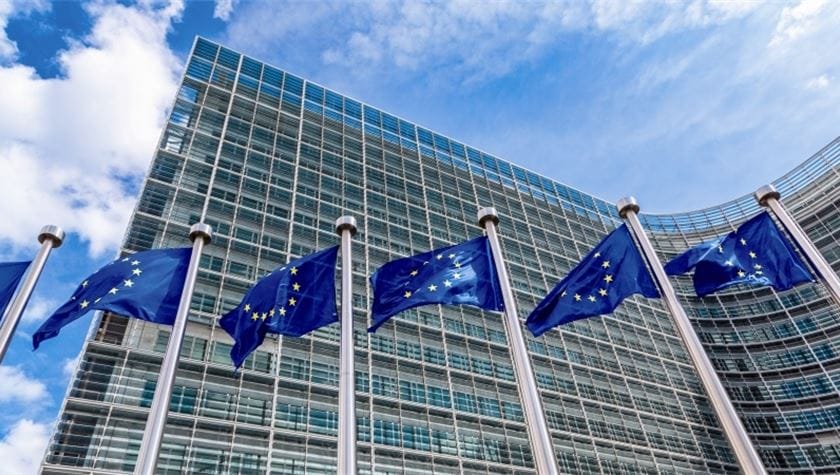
(270, 160)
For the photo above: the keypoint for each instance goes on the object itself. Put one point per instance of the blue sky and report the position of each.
(682, 104)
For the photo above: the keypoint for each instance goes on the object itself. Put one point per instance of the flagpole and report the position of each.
(200, 234)
(768, 196)
(50, 238)
(345, 226)
(538, 432)
(733, 428)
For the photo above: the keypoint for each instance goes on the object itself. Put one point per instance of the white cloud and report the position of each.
(795, 22)
(68, 144)
(17, 386)
(10, 9)
(23, 447)
(820, 82)
(38, 309)
(69, 365)
(471, 40)
(223, 9)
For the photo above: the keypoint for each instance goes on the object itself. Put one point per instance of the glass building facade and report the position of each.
(270, 160)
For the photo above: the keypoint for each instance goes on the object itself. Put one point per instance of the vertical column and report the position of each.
(736, 433)
(50, 238)
(768, 196)
(200, 234)
(538, 432)
(345, 226)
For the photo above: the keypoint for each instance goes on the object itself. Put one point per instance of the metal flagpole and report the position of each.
(538, 432)
(734, 429)
(50, 238)
(200, 234)
(345, 226)
(769, 197)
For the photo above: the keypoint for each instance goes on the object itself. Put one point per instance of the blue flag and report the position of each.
(463, 274)
(611, 272)
(10, 275)
(293, 300)
(146, 285)
(755, 254)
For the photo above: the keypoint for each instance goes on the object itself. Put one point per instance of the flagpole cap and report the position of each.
(626, 205)
(53, 233)
(488, 213)
(345, 222)
(765, 193)
(201, 230)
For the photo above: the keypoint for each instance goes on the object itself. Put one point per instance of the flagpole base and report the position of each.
(627, 204)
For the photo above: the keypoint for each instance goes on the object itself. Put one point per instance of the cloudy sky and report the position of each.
(682, 104)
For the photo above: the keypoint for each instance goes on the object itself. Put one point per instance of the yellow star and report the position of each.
(758, 272)
(603, 292)
(597, 254)
(271, 313)
(413, 273)
(247, 307)
(113, 291)
(720, 248)
(608, 278)
(293, 271)
(135, 262)
(577, 297)
(757, 267)
(606, 264)
(563, 294)
(743, 242)
(296, 287)
(84, 304)
(407, 294)
(440, 256)
(752, 255)
(255, 316)
(452, 256)
(128, 283)
(432, 288)
(282, 311)
(457, 265)
(447, 283)
(264, 316)
(456, 275)
(137, 272)
(84, 284)
(741, 274)
(591, 298)
(292, 301)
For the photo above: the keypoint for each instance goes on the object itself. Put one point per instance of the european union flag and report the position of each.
(755, 254)
(146, 285)
(293, 300)
(611, 272)
(10, 275)
(463, 274)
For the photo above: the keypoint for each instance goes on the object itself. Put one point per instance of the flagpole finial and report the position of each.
(53, 233)
(488, 213)
(765, 193)
(626, 204)
(201, 230)
(345, 222)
